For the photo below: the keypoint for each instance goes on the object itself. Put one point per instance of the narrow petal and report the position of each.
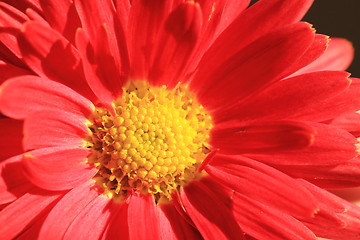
(255, 22)
(176, 44)
(264, 222)
(331, 145)
(20, 214)
(8, 70)
(54, 128)
(25, 4)
(338, 56)
(22, 96)
(143, 217)
(287, 97)
(173, 226)
(248, 71)
(66, 210)
(350, 122)
(261, 137)
(58, 168)
(346, 102)
(11, 135)
(142, 35)
(118, 226)
(11, 20)
(44, 51)
(13, 183)
(209, 213)
(336, 218)
(92, 220)
(62, 16)
(341, 175)
(247, 177)
(95, 14)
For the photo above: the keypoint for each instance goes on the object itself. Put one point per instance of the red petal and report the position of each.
(337, 57)
(346, 102)
(336, 219)
(118, 226)
(45, 50)
(22, 96)
(176, 43)
(11, 21)
(66, 210)
(263, 183)
(92, 220)
(13, 183)
(22, 213)
(263, 137)
(257, 21)
(173, 226)
(350, 122)
(252, 68)
(331, 145)
(93, 15)
(265, 222)
(209, 212)
(143, 217)
(287, 97)
(24, 4)
(11, 135)
(62, 16)
(54, 128)
(8, 70)
(58, 168)
(342, 175)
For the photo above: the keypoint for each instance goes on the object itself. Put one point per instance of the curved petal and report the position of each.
(62, 16)
(22, 96)
(256, 21)
(11, 135)
(263, 183)
(118, 226)
(264, 222)
(20, 214)
(331, 145)
(8, 70)
(92, 220)
(258, 65)
(266, 137)
(210, 214)
(338, 57)
(287, 97)
(54, 129)
(58, 168)
(350, 122)
(51, 56)
(336, 218)
(13, 183)
(143, 217)
(66, 210)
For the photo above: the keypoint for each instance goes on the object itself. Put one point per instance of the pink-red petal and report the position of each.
(209, 212)
(143, 217)
(263, 183)
(11, 134)
(265, 137)
(250, 70)
(331, 145)
(66, 210)
(22, 96)
(22, 213)
(54, 128)
(58, 168)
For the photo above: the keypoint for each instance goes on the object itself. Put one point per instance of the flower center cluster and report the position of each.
(153, 143)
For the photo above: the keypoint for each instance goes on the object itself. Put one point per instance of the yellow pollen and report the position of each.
(154, 143)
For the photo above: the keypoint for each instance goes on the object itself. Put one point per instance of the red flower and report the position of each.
(174, 120)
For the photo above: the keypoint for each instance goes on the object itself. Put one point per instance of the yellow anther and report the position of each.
(154, 143)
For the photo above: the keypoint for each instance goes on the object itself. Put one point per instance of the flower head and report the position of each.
(174, 120)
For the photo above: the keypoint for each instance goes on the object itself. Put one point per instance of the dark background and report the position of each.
(338, 18)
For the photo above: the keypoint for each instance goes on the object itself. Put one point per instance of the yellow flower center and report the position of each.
(153, 143)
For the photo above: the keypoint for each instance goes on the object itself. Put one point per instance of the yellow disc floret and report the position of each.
(153, 143)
